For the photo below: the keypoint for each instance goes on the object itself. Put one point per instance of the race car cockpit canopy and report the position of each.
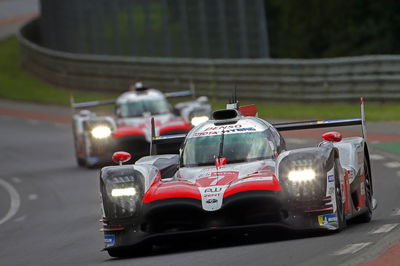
(135, 104)
(244, 141)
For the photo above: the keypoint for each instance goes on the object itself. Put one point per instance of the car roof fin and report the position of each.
(153, 147)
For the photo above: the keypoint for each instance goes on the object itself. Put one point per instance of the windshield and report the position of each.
(135, 109)
(239, 147)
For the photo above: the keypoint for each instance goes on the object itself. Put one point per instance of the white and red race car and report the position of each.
(234, 172)
(98, 137)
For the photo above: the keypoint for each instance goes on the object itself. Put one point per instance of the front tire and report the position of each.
(366, 217)
(341, 219)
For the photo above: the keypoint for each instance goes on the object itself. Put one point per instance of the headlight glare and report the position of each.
(301, 175)
(197, 120)
(121, 192)
(101, 132)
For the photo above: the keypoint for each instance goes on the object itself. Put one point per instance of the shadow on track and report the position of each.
(225, 239)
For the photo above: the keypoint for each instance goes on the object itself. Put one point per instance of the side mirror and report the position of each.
(120, 157)
(332, 136)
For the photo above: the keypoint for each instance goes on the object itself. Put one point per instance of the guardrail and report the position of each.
(376, 77)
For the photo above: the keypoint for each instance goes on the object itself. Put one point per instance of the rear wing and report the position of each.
(113, 101)
(179, 138)
(317, 124)
(190, 92)
(178, 94)
(90, 104)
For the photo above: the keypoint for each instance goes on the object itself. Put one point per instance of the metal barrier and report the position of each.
(375, 77)
(157, 28)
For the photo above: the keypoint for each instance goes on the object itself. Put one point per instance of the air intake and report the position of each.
(225, 114)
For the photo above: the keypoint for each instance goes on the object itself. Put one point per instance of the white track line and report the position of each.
(376, 157)
(393, 164)
(15, 201)
(352, 248)
(384, 228)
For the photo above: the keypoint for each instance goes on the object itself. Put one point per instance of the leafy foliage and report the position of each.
(315, 29)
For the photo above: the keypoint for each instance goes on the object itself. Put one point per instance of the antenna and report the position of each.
(233, 103)
(221, 145)
(153, 147)
(72, 103)
(234, 94)
(363, 127)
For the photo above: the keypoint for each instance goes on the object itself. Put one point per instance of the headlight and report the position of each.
(197, 120)
(101, 132)
(301, 175)
(120, 192)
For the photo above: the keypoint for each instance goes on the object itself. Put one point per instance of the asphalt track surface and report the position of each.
(49, 212)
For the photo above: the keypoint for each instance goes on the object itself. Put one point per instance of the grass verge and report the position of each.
(17, 84)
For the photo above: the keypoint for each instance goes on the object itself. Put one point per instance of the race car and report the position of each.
(97, 137)
(234, 172)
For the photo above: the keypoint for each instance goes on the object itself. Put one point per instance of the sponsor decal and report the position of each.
(225, 127)
(213, 189)
(243, 127)
(212, 197)
(327, 219)
(217, 178)
(331, 178)
(234, 130)
(109, 240)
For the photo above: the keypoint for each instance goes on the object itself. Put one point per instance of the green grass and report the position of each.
(17, 84)
(373, 111)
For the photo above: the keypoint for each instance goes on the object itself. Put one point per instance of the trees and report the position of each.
(315, 29)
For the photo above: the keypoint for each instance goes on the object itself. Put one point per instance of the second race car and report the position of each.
(98, 137)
